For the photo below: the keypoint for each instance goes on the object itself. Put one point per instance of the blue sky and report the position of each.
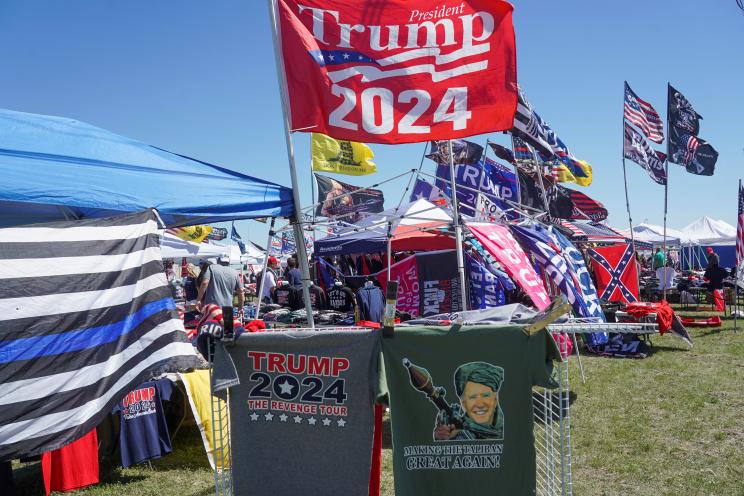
(198, 78)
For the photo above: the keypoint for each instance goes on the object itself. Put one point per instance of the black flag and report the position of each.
(685, 148)
(465, 152)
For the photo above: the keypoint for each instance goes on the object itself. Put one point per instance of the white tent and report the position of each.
(706, 231)
(414, 213)
(655, 234)
(175, 247)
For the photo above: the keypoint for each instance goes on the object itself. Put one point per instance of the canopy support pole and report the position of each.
(389, 249)
(297, 217)
(259, 292)
(458, 228)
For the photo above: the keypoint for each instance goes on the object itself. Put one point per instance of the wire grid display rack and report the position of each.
(552, 422)
(553, 433)
(222, 452)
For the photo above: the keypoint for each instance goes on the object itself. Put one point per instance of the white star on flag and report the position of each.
(311, 421)
(254, 416)
(286, 387)
(297, 419)
(330, 57)
(269, 416)
(326, 422)
(346, 56)
(341, 422)
(283, 417)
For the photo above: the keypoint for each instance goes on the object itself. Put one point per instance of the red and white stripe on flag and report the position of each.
(403, 72)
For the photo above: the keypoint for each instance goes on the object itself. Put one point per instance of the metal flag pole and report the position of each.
(458, 227)
(737, 272)
(627, 200)
(297, 220)
(259, 290)
(666, 194)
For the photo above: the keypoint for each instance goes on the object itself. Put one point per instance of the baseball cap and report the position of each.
(273, 261)
(224, 257)
(709, 249)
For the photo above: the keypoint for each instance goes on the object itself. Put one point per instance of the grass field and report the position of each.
(671, 424)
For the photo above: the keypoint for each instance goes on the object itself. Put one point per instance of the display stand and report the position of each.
(552, 429)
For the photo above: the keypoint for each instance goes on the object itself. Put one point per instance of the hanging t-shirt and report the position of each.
(461, 408)
(340, 299)
(317, 297)
(71, 467)
(144, 431)
(305, 410)
(371, 303)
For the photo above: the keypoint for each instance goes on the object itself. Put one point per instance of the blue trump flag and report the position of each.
(492, 179)
(487, 286)
(564, 264)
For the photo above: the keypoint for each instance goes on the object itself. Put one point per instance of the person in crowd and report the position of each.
(292, 274)
(270, 281)
(190, 284)
(713, 258)
(219, 284)
(478, 414)
(658, 259)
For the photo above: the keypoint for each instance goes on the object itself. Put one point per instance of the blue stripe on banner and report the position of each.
(55, 344)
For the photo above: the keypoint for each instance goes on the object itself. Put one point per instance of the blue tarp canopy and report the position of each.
(54, 168)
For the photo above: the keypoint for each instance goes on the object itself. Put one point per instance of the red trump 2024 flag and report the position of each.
(399, 71)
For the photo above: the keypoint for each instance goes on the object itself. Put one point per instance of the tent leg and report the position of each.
(458, 228)
(297, 217)
(259, 291)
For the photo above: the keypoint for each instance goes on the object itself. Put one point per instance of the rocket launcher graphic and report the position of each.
(421, 381)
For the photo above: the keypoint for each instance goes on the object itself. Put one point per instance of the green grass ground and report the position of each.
(671, 424)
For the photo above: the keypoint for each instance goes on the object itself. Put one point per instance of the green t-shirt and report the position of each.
(461, 408)
(658, 260)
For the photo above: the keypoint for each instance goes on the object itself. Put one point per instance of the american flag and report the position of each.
(691, 145)
(740, 228)
(431, 61)
(85, 316)
(643, 115)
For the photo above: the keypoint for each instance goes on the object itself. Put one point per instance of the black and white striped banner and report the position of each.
(85, 315)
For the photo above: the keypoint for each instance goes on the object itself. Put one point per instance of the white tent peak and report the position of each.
(707, 231)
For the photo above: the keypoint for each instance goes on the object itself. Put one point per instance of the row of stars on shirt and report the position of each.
(297, 419)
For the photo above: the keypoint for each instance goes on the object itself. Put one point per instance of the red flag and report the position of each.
(399, 71)
(616, 272)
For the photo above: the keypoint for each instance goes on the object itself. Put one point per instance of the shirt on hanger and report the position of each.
(371, 303)
(340, 299)
(305, 404)
(477, 432)
(144, 431)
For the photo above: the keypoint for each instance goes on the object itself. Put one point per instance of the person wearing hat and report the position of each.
(219, 284)
(713, 258)
(270, 281)
(478, 413)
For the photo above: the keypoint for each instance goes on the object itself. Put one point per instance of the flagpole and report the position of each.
(540, 180)
(627, 197)
(516, 174)
(297, 218)
(458, 228)
(259, 290)
(738, 262)
(666, 192)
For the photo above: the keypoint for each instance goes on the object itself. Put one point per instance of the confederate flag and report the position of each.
(615, 270)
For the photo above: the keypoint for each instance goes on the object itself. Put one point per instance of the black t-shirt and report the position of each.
(317, 298)
(340, 299)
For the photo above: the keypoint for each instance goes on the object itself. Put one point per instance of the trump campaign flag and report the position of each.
(86, 315)
(564, 265)
(616, 273)
(499, 242)
(401, 71)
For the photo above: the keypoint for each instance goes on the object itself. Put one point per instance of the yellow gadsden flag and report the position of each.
(341, 157)
(195, 234)
(582, 176)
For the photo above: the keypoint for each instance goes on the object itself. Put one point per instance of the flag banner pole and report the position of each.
(739, 260)
(664, 243)
(297, 218)
(539, 172)
(627, 198)
(458, 228)
(259, 290)
(516, 175)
